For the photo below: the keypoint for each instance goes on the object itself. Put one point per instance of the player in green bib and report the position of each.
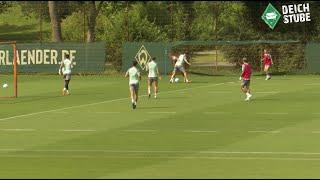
(153, 77)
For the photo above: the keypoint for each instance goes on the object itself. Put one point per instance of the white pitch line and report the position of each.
(78, 130)
(17, 129)
(102, 102)
(315, 132)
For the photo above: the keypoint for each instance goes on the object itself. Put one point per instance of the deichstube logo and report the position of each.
(143, 57)
(271, 16)
(292, 13)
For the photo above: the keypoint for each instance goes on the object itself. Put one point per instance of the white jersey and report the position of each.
(152, 68)
(134, 74)
(181, 59)
(67, 66)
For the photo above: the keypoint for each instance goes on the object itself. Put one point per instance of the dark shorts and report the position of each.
(134, 87)
(153, 79)
(180, 68)
(67, 76)
(245, 83)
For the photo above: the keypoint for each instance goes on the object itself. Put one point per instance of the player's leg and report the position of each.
(266, 70)
(132, 95)
(67, 86)
(269, 74)
(243, 89)
(67, 81)
(156, 88)
(64, 90)
(248, 92)
(149, 87)
(173, 74)
(185, 75)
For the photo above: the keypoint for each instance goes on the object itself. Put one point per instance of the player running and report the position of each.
(179, 65)
(153, 77)
(267, 60)
(134, 77)
(65, 69)
(245, 77)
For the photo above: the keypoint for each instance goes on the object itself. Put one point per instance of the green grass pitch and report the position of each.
(200, 130)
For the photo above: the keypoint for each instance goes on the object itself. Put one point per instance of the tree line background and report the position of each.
(117, 22)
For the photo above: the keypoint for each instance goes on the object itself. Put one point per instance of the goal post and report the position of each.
(8, 69)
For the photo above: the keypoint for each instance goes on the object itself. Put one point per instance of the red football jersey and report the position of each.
(267, 60)
(246, 71)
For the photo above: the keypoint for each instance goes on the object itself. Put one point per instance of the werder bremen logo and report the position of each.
(143, 57)
(271, 16)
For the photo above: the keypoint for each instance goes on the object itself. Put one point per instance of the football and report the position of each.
(5, 85)
(176, 80)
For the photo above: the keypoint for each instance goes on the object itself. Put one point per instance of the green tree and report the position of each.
(4, 5)
(116, 26)
(55, 22)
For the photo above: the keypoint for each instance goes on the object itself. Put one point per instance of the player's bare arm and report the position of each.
(185, 60)
(60, 68)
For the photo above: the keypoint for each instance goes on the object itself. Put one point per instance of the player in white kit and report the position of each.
(134, 77)
(153, 76)
(65, 70)
(179, 65)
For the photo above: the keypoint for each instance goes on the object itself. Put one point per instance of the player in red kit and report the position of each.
(267, 61)
(245, 77)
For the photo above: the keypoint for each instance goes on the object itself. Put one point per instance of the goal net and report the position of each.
(8, 70)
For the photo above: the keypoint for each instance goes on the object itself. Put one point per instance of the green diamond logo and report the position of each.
(143, 57)
(271, 16)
